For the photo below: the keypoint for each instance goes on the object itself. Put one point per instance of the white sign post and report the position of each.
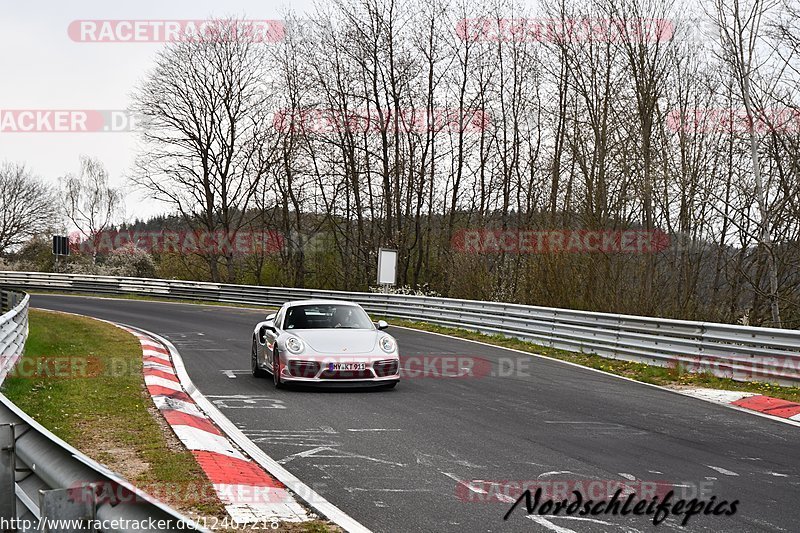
(387, 266)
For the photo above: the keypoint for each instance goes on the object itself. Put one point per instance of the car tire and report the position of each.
(276, 369)
(258, 372)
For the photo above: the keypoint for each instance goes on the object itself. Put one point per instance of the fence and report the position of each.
(740, 352)
(13, 328)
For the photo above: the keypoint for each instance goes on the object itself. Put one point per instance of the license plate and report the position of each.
(336, 367)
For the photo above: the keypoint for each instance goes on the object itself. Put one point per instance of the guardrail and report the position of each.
(44, 482)
(740, 352)
(13, 328)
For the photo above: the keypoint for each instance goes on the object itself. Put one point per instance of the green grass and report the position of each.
(670, 377)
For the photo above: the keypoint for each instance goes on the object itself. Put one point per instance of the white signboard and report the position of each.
(387, 266)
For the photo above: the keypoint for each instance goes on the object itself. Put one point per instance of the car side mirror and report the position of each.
(382, 324)
(262, 331)
(271, 318)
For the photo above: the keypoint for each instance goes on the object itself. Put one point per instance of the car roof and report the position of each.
(319, 301)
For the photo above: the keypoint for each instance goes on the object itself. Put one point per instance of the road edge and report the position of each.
(306, 493)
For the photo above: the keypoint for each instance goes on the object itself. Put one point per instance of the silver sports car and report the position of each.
(324, 341)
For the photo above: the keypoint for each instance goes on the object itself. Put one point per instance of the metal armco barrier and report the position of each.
(13, 328)
(47, 485)
(741, 352)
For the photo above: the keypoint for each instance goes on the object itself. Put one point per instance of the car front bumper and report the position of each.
(378, 370)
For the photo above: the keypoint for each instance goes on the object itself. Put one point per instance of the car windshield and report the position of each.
(327, 316)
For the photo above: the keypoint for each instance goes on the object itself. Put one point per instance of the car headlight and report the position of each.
(387, 344)
(295, 345)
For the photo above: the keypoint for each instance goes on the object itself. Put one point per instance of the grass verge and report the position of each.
(82, 380)
(668, 377)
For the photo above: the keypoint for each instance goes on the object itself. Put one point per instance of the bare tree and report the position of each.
(27, 206)
(206, 134)
(90, 203)
(740, 26)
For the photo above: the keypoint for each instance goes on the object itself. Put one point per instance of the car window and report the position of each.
(279, 318)
(327, 316)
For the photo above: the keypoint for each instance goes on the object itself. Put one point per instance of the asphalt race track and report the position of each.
(394, 460)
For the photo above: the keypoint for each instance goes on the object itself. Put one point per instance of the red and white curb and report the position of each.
(249, 494)
(766, 405)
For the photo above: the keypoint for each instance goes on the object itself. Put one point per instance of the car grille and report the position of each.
(347, 374)
(303, 369)
(385, 368)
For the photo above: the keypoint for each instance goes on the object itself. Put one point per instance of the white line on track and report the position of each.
(333, 453)
(362, 489)
(721, 470)
(375, 429)
(555, 473)
(542, 521)
(559, 529)
(460, 481)
(468, 486)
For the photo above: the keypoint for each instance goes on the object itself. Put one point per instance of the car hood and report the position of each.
(339, 341)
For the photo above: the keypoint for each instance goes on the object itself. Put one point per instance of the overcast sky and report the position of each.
(42, 68)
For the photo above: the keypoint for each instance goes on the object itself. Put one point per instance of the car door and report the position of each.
(270, 337)
(267, 333)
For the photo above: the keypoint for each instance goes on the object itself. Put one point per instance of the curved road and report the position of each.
(394, 460)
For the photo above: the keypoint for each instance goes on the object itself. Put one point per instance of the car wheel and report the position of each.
(258, 372)
(276, 370)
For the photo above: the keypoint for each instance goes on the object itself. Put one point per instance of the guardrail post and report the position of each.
(67, 510)
(8, 503)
